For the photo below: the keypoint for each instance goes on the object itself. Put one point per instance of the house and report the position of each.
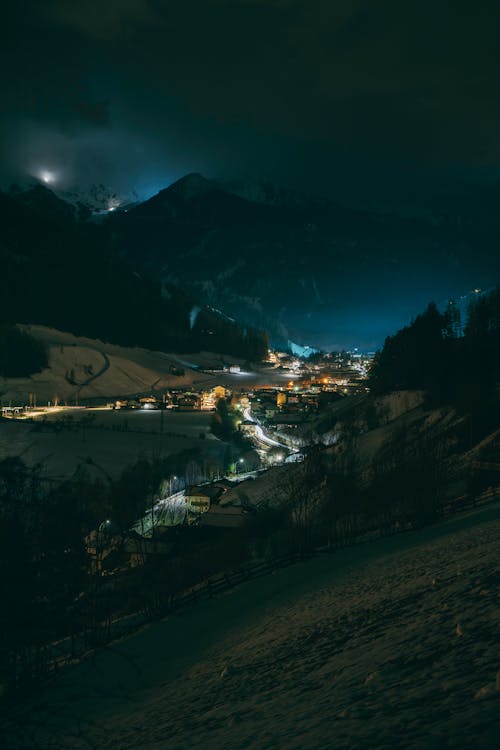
(288, 421)
(198, 499)
(187, 402)
(208, 401)
(216, 489)
(201, 499)
(229, 517)
(220, 392)
(281, 398)
(149, 402)
(248, 427)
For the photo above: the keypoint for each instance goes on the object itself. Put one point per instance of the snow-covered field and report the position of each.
(60, 453)
(99, 370)
(87, 370)
(389, 645)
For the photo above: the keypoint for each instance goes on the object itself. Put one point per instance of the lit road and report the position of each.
(261, 436)
(169, 511)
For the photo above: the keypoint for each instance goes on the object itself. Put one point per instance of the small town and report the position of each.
(269, 425)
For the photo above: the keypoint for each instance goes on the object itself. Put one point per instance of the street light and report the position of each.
(102, 529)
(171, 484)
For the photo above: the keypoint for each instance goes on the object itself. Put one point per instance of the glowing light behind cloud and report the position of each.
(48, 177)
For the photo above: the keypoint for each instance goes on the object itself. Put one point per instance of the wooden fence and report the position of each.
(47, 660)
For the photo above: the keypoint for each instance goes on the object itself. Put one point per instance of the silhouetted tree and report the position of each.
(20, 353)
(415, 357)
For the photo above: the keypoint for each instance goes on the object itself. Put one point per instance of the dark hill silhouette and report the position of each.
(62, 272)
(280, 260)
(284, 262)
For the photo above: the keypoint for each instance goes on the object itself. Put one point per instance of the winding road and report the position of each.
(261, 436)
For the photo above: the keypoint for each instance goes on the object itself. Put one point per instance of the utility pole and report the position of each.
(162, 415)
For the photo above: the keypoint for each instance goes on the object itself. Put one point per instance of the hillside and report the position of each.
(386, 448)
(81, 368)
(89, 371)
(392, 644)
(303, 268)
(230, 247)
(65, 273)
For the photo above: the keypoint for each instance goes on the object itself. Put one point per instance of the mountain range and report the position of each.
(60, 271)
(305, 268)
(302, 267)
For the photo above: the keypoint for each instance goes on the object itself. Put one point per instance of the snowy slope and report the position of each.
(389, 645)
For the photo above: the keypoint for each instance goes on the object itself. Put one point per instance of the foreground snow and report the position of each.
(388, 645)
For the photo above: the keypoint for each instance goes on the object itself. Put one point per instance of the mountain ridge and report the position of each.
(306, 269)
(285, 265)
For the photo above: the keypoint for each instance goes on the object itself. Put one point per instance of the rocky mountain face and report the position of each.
(304, 268)
(300, 267)
(99, 199)
(83, 203)
(63, 272)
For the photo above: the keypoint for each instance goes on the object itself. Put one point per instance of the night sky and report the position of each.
(375, 103)
(363, 99)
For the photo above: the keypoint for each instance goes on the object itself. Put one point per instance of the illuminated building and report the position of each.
(220, 392)
(208, 401)
(281, 399)
(197, 500)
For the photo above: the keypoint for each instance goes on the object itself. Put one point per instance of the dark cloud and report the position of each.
(110, 21)
(96, 113)
(360, 93)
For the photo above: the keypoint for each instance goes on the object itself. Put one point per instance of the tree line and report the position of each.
(20, 354)
(434, 355)
(47, 574)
